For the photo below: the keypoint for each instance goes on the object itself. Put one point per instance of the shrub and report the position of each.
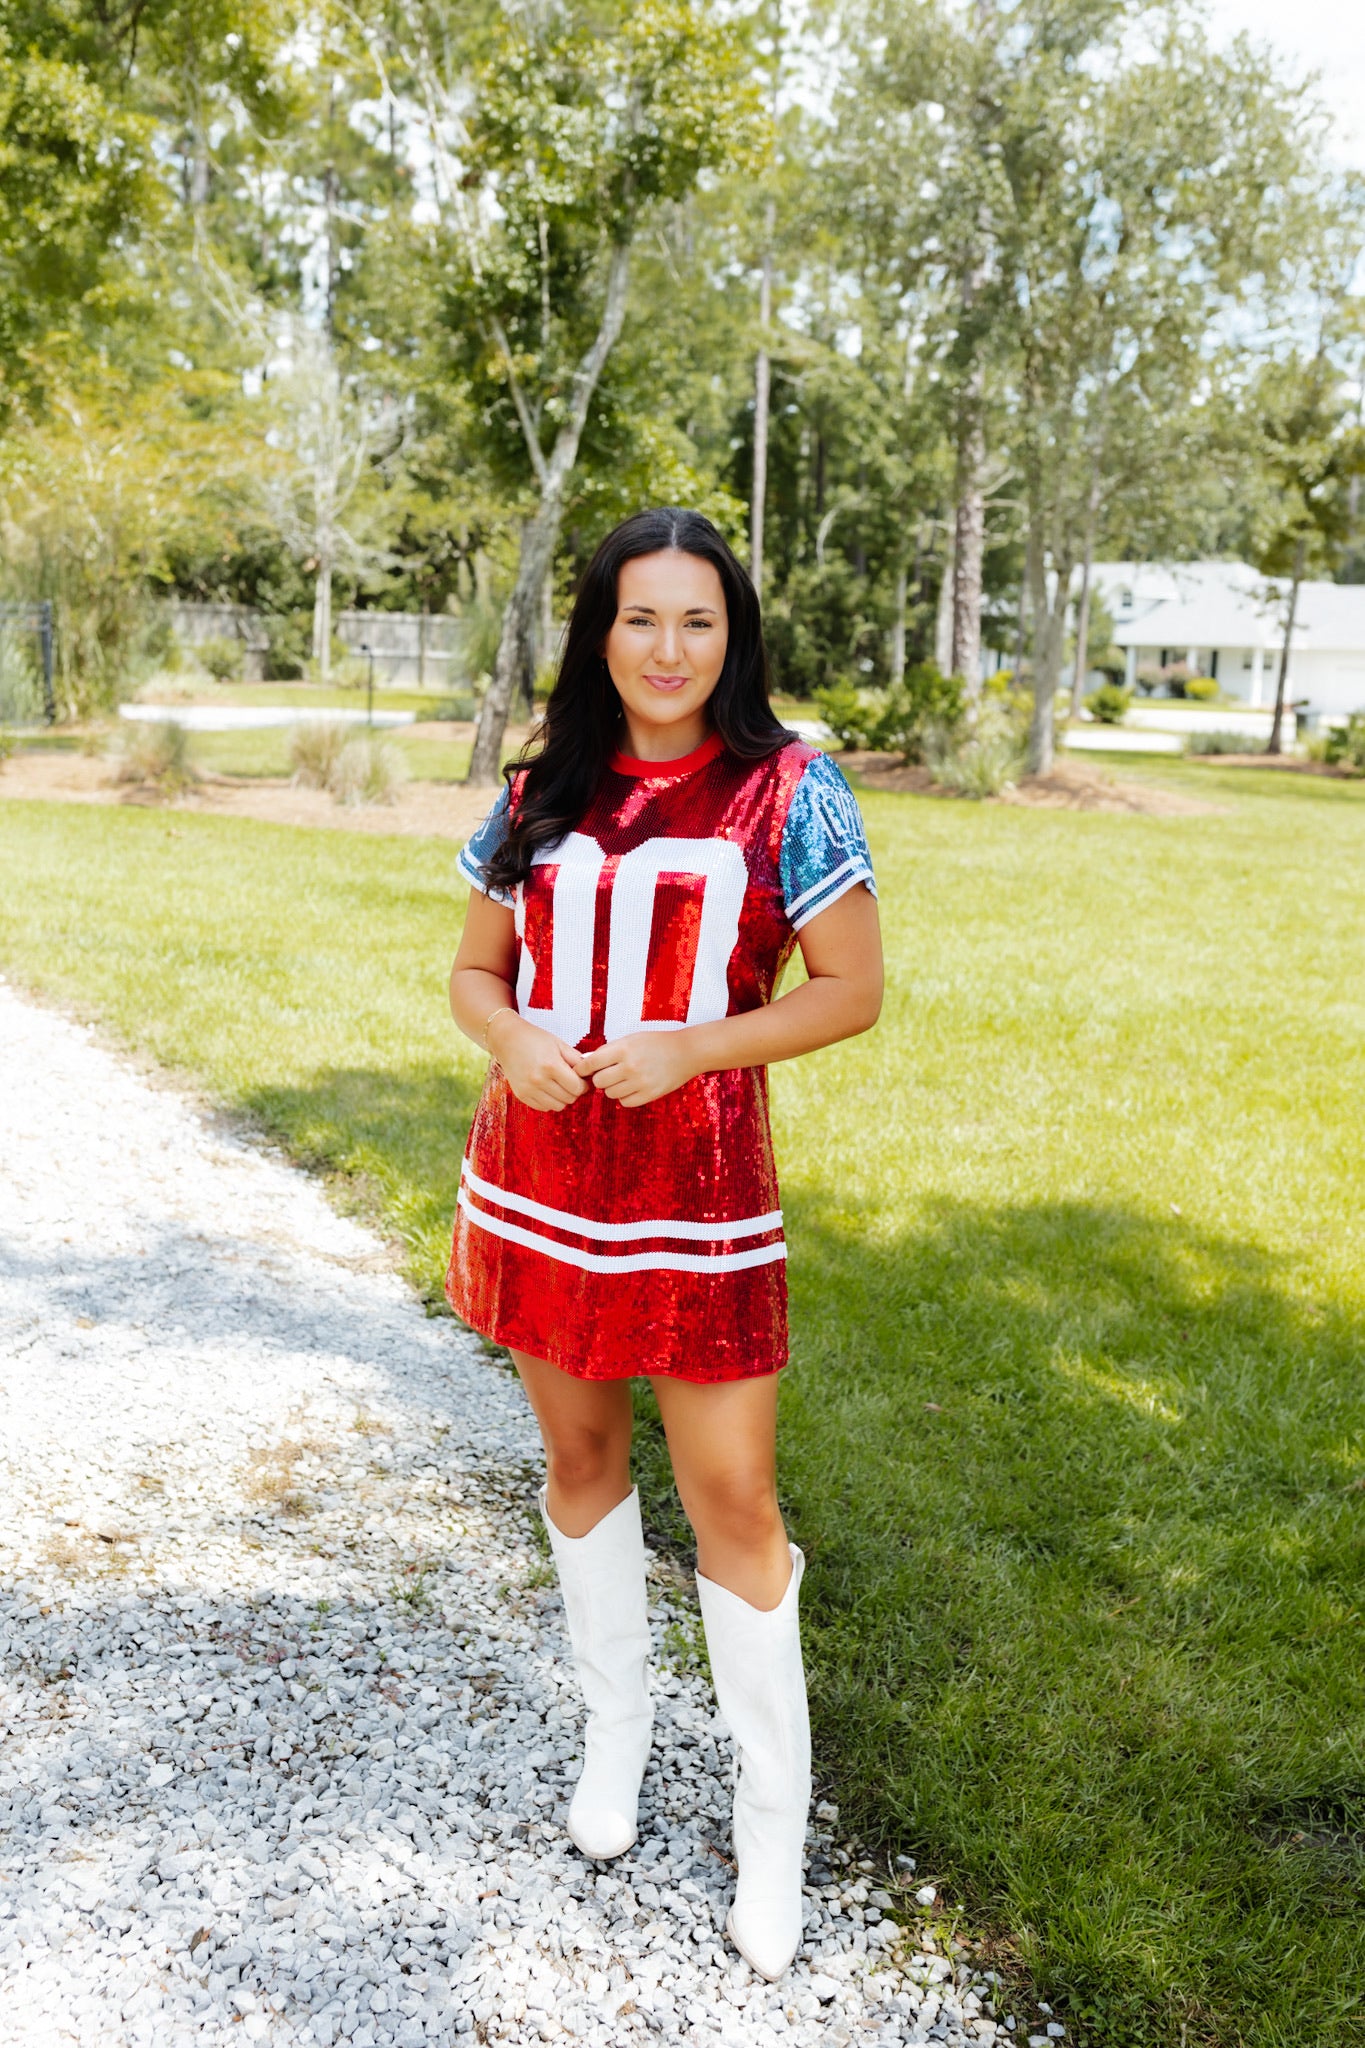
(1109, 704)
(1110, 661)
(1203, 689)
(155, 754)
(368, 770)
(7, 744)
(1175, 677)
(462, 706)
(980, 760)
(898, 720)
(1149, 678)
(1345, 744)
(1221, 743)
(847, 713)
(315, 746)
(222, 658)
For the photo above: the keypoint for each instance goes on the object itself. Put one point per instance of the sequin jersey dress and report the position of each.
(614, 1241)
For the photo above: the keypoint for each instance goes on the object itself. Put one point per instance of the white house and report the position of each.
(1227, 621)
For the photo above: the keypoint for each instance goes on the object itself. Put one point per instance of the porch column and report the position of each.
(1192, 660)
(1130, 669)
(1257, 676)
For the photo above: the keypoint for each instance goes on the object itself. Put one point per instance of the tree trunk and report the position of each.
(1081, 669)
(322, 614)
(969, 542)
(762, 388)
(943, 616)
(541, 532)
(1083, 606)
(1049, 639)
(1275, 744)
(898, 626)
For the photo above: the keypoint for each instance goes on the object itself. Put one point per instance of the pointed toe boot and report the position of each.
(602, 1578)
(761, 1690)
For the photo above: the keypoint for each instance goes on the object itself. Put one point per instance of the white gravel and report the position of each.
(288, 1730)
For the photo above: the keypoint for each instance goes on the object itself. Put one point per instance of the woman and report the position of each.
(639, 887)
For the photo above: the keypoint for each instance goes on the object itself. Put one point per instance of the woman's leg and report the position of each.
(723, 1443)
(585, 1426)
(748, 1580)
(592, 1517)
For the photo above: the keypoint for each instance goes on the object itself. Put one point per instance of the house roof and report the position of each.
(1225, 604)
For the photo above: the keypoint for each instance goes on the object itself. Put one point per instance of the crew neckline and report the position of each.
(630, 764)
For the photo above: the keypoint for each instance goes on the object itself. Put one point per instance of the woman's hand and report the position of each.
(541, 1069)
(640, 1068)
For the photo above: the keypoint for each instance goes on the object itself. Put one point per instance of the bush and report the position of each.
(1109, 704)
(462, 706)
(368, 770)
(1344, 746)
(1111, 662)
(1203, 689)
(1149, 678)
(898, 720)
(1175, 678)
(980, 760)
(154, 754)
(848, 713)
(1221, 743)
(222, 658)
(315, 746)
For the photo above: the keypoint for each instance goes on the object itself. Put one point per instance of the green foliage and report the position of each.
(897, 720)
(1202, 690)
(369, 770)
(1344, 745)
(221, 658)
(1221, 743)
(1109, 704)
(356, 766)
(154, 754)
(315, 746)
(981, 758)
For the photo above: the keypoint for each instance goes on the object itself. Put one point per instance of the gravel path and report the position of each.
(287, 1726)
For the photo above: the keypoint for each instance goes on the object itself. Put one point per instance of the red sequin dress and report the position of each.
(614, 1241)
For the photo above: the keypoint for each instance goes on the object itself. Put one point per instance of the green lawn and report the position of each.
(1074, 1434)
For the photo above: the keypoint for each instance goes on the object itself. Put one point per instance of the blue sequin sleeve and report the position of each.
(824, 847)
(481, 846)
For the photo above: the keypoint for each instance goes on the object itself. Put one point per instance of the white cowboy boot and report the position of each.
(761, 1689)
(602, 1578)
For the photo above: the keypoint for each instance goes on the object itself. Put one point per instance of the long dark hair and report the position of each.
(566, 758)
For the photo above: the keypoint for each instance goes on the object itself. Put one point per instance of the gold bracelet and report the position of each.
(489, 1019)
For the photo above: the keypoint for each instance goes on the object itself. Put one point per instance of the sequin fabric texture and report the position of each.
(613, 1241)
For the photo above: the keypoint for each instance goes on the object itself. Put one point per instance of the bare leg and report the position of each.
(723, 1442)
(586, 1427)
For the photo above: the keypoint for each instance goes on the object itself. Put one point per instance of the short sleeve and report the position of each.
(824, 846)
(480, 848)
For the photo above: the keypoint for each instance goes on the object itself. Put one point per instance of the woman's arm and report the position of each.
(540, 1068)
(842, 949)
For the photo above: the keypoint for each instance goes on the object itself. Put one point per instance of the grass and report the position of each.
(1074, 1434)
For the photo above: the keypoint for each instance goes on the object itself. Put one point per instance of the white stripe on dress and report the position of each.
(855, 861)
(861, 873)
(622, 1262)
(588, 1226)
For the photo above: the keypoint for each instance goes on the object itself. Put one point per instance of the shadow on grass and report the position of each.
(1079, 1490)
(1078, 1487)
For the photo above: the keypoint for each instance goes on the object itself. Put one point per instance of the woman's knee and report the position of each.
(580, 1459)
(737, 1508)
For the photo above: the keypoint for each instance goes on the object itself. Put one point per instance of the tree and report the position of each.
(550, 155)
(77, 180)
(1312, 454)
